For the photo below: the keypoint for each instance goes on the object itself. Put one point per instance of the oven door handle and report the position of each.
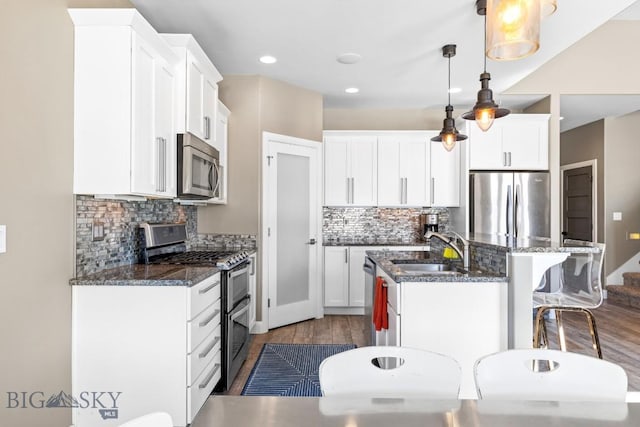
(239, 272)
(242, 311)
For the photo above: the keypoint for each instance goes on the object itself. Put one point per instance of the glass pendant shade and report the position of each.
(548, 7)
(513, 28)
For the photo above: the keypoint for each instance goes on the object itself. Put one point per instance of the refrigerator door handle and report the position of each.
(509, 211)
(515, 212)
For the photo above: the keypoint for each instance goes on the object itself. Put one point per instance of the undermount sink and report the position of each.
(427, 268)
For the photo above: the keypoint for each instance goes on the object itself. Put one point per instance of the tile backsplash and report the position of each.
(122, 242)
(376, 225)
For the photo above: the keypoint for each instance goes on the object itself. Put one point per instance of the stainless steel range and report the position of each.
(165, 244)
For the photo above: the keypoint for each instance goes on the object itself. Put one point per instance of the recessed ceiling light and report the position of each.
(352, 90)
(268, 59)
(455, 90)
(349, 58)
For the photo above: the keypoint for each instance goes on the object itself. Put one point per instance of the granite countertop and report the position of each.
(526, 245)
(147, 275)
(383, 260)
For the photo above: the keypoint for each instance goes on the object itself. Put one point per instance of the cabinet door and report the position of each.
(210, 109)
(390, 184)
(164, 124)
(526, 143)
(336, 276)
(336, 182)
(363, 164)
(144, 146)
(445, 175)
(485, 148)
(414, 170)
(195, 96)
(356, 275)
(393, 333)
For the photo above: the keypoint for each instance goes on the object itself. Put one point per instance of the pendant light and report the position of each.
(513, 29)
(449, 135)
(485, 110)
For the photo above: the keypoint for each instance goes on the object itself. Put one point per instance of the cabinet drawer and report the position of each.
(201, 388)
(202, 325)
(203, 354)
(203, 294)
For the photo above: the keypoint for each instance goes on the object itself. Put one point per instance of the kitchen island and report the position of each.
(466, 313)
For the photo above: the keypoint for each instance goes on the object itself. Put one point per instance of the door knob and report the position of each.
(312, 241)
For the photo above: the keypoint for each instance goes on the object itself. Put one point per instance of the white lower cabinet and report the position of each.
(146, 349)
(344, 278)
(465, 320)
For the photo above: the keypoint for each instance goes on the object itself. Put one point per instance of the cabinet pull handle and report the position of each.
(509, 158)
(353, 198)
(253, 266)
(208, 288)
(433, 190)
(208, 320)
(158, 163)
(384, 284)
(504, 158)
(207, 380)
(348, 190)
(207, 350)
(346, 255)
(207, 127)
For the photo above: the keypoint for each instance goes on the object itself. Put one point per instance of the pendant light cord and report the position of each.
(484, 52)
(449, 88)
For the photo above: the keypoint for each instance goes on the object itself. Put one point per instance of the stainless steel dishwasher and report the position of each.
(369, 268)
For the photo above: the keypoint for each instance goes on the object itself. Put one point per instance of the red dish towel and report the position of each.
(380, 317)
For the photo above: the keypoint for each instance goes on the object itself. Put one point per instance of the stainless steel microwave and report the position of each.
(198, 168)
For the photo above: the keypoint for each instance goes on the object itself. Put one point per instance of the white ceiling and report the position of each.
(400, 44)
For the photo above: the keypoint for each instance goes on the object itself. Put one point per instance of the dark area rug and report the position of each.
(289, 369)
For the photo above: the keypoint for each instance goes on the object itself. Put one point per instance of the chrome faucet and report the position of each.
(450, 240)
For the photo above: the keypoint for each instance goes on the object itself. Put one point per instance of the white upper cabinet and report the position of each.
(445, 175)
(514, 142)
(403, 169)
(197, 92)
(124, 86)
(350, 169)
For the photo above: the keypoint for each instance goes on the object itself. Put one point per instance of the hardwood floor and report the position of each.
(618, 327)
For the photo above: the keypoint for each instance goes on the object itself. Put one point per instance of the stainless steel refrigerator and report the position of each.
(510, 204)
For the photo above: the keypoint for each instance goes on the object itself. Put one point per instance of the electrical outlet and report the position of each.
(617, 216)
(97, 230)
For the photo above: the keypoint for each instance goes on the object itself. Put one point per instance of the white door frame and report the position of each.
(262, 326)
(594, 193)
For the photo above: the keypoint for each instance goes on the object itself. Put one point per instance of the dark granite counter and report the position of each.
(383, 260)
(147, 275)
(525, 245)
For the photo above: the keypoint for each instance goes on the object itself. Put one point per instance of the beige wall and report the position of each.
(380, 119)
(614, 72)
(36, 183)
(622, 188)
(36, 177)
(587, 143)
(257, 104)
(241, 95)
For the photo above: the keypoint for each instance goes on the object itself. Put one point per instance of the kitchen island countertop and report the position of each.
(384, 260)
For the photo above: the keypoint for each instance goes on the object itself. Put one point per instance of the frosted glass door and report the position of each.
(293, 214)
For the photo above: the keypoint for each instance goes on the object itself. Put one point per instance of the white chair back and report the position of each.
(542, 374)
(421, 373)
(154, 419)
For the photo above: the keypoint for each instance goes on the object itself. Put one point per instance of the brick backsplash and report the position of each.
(122, 243)
(376, 225)
(226, 242)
